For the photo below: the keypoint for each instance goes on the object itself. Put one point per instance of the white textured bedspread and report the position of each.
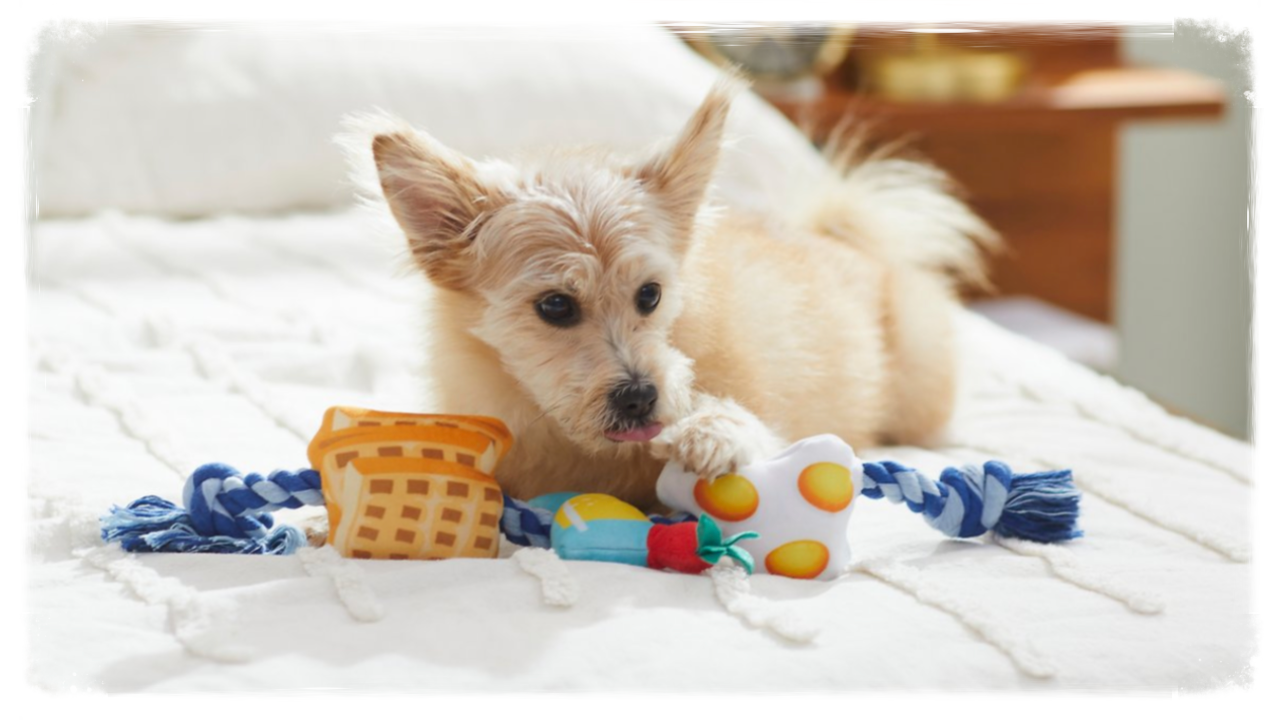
(157, 346)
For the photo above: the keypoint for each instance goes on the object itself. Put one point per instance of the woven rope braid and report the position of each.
(524, 524)
(221, 502)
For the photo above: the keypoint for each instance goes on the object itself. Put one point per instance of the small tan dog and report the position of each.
(594, 305)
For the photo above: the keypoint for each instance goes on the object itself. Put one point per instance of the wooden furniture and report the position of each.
(1039, 164)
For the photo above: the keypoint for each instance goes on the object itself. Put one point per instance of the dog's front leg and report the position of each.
(717, 437)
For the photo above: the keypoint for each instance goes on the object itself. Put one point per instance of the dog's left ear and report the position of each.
(680, 174)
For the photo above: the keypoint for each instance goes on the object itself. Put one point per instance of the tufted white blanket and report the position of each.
(157, 345)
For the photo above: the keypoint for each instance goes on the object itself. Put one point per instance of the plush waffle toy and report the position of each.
(401, 486)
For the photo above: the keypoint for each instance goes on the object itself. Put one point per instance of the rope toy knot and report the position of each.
(224, 513)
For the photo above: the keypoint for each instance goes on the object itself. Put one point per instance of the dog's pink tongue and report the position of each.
(640, 434)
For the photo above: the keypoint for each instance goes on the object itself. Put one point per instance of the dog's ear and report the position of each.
(680, 174)
(437, 198)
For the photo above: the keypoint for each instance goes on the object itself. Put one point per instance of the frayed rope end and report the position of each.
(1042, 507)
(153, 524)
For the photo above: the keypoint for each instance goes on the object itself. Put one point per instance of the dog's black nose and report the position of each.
(634, 400)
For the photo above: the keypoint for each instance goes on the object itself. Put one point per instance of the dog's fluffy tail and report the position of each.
(902, 210)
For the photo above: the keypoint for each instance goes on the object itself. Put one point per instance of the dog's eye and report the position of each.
(647, 298)
(559, 310)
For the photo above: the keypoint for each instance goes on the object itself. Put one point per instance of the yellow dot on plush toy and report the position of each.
(827, 486)
(730, 498)
(802, 559)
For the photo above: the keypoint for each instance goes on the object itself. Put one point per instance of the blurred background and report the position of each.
(1114, 160)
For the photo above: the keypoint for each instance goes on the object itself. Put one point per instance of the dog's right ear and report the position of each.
(438, 200)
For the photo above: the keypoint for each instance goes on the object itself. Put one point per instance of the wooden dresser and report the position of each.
(1037, 159)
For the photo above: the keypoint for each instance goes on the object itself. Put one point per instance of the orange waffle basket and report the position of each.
(401, 486)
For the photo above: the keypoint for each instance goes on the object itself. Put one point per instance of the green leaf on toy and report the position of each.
(712, 545)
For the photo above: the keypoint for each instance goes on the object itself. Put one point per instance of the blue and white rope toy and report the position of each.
(969, 501)
(226, 512)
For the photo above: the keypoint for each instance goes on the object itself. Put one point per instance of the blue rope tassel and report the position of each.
(224, 513)
(968, 502)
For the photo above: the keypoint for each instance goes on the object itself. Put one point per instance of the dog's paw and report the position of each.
(715, 441)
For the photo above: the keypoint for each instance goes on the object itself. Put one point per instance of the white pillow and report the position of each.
(194, 121)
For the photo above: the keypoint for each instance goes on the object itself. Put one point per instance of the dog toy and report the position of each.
(400, 486)
(407, 486)
(800, 502)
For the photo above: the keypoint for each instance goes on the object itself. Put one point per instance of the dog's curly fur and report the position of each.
(768, 330)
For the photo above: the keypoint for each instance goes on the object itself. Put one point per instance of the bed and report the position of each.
(201, 289)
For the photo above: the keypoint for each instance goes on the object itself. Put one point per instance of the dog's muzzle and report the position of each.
(632, 404)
